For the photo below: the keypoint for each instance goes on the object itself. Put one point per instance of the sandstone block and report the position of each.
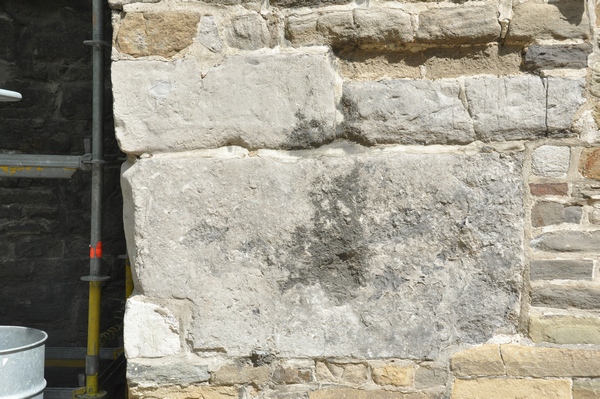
(541, 189)
(558, 56)
(507, 388)
(550, 362)
(177, 392)
(353, 394)
(568, 241)
(392, 374)
(479, 361)
(305, 256)
(336, 27)
(564, 328)
(507, 108)
(586, 389)
(281, 100)
(383, 25)
(589, 163)
(181, 373)
(551, 161)
(164, 34)
(565, 19)
(566, 296)
(349, 373)
(545, 213)
(459, 24)
(301, 29)
(241, 374)
(291, 375)
(407, 111)
(561, 269)
(247, 32)
(565, 96)
(160, 340)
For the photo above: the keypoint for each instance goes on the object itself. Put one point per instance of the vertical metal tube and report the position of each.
(93, 349)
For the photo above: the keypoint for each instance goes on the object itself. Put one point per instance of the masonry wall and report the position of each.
(360, 199)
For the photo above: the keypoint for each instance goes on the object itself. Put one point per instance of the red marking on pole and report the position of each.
(96, 252)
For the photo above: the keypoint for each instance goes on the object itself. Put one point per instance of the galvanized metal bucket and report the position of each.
(22, 362)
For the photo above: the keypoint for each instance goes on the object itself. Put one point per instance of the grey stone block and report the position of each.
(208, 34)
(566, 296)
(573, 214)
(561, 269)
(546, 213)
(459, 24)
(568, 241)
(180, 373)
(308, 256)
(565, 96)
(282, 100)
(551, 161)
(507, 108)
(407, 111)
(383, 25)
(247, 32)
(557, 56)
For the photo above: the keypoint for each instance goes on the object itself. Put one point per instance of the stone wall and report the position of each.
(44, 223)
(333, 199)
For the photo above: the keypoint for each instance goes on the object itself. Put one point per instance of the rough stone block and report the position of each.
(484, 360)
(392, 374)
(140, 341)
(589, 163)
(178, 392)
(459, 24)
(586, 389)
(241, 374)
(383, 25)
(336, 27)
(407, 111)
(247, 32)
(550, 362)
(564, 19)
(546, 213)
(305, 256)
(573, 214)
(429, 375)
(348, 373)
(541, 189)
(164, 34)
(551, 161)
(507, 108)
(564, 98)
(565, 296)
(564, 328)
(346, 393)
(558, 56)
(306, 3)
(281, 100)
(301, 29)
(291, 375)
(181, 373)
(561, 269)
(208, 34)
(508, 388)
(568, 241)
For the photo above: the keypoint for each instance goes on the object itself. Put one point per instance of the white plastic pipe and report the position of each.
(7, 95)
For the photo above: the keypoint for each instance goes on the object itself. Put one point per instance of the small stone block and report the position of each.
(589, 163)
(508, 388)
(546, 213)
(428, 375)
(551, 161)
(561, 269)
(559, 56)
(538, 362)
(540, 189)
(392, 374)
(572, 214)
(565, 296)
(241, 374)
(482, 360)
(564, 329)
(568, 241)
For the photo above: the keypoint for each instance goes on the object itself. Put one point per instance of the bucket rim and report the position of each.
(39, 342)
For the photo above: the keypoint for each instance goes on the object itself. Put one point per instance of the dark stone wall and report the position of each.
(45, 223)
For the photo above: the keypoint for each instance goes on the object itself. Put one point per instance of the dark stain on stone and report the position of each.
(308, 133)
(333, 251)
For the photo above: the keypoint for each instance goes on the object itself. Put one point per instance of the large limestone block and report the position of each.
(407, 111)
(264, 100)
(383, 255)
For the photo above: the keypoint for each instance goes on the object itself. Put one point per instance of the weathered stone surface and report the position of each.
(306, 257)
(459, 24)
(177, 392)
(551, 161)
(406, 111)
(558, 56)
(382, 25)
(306, 3)
(281, 100)
(164, 34)
(550, 362)
(392, 374)
(301, 29)
(346, 393)
(248, 32)
(586, 389)
(180, 373)
(507, 388)
(541, 189)
(348, 373)
(507, 108)
(140, 341)
(545, 213)
(241, 374)
(484, 360)
(564, 328)
(118, 4)
(564, 19)
(429, 375)
(566, 296)
(573, 214)
(336, 27)
(565, 96)
(568, 241)
(291, 375)
(208, 34)
(561, 269)
(589, 163)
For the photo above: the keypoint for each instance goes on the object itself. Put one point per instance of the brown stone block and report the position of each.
(190, 392)
(482, 360)
(241, 374)
(163, 34)
(505, 388)
(539, 189)
(589, 163)
(525, 361)
(392, 374)
(354, 394)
